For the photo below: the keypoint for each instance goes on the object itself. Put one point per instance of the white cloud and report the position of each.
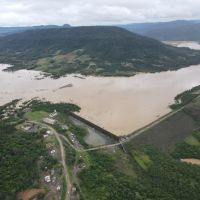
(92, 12)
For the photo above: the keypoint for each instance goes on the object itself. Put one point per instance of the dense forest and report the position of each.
(38, 105)
(19, 154)
(24, 155)
(153, 175)
(142, 172)
(159, 176)
(95, 50)
(145, 172)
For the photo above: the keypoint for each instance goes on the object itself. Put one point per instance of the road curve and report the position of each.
(68, 182)
(62, 151)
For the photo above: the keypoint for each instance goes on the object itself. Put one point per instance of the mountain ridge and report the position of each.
(12, 30)
(173, 30)
(92, 50)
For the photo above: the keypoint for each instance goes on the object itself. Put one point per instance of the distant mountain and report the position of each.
(94, 50)
(174, 30)
(11, 30)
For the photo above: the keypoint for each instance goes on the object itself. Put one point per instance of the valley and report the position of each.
(100, 100)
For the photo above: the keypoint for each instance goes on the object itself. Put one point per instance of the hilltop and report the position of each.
(94, 50)
(12, 30)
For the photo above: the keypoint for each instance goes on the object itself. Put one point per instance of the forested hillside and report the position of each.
(92, 50)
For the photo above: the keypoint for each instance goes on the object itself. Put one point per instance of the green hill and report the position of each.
(92, 51)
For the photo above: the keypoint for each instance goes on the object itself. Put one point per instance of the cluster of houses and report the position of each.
(50, 120)
(8, 112)
(11, 111)
(51, 149)
(30, 127)
(48, 133)
(27, 109)
(51, 178)
(75, 141)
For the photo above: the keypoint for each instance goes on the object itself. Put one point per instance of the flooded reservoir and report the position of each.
(118, 104)
(189, 44)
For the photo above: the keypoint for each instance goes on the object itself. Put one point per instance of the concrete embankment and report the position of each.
(100, 129)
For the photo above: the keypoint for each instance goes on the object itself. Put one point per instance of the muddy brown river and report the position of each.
(118, 104)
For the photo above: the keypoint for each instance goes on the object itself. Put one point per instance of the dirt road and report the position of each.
(62, 151)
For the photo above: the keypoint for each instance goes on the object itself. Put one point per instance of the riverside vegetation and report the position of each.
(144, 172)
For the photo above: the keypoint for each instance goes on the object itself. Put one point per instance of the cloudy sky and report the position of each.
(93, 12)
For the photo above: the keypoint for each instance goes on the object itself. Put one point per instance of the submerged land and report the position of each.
(139, 141)
(48, 154)
(121, 105)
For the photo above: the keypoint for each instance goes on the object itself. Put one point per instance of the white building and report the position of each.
(53, 151)
(47, 179)
(58, 188)
(49, 121)
(45, 136)
(54, 114)
(49, 132)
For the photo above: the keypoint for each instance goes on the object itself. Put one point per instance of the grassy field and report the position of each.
(142, 159)
(61, 64)
(191, 140)
(36, 116)
(122, 163)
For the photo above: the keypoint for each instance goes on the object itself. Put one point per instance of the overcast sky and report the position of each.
(94, 12)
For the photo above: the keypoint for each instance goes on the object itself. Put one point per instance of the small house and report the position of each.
(49, 121)
(54, 114)
(47, 179)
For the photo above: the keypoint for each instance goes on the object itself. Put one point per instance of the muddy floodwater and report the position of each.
(189, 44)
(118, 104)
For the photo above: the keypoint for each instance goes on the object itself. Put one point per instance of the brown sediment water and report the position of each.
(191, 161)
(118, 104)
(189, 44)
